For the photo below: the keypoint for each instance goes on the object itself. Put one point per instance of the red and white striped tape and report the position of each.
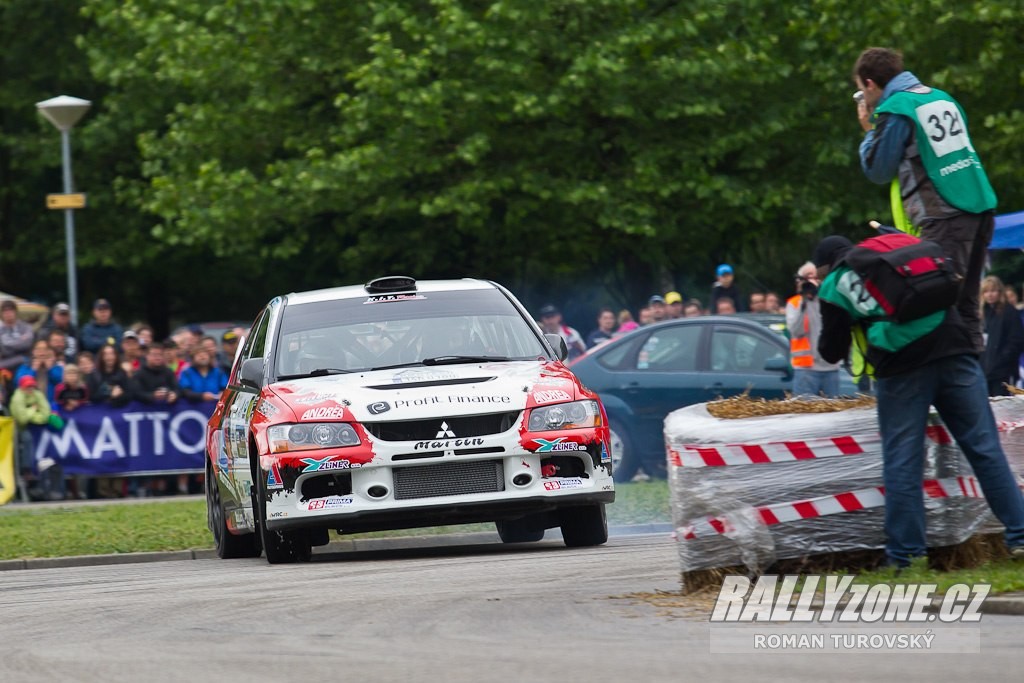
(716, 455)
(850, 501)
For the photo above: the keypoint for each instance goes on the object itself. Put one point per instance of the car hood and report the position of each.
(424, 392)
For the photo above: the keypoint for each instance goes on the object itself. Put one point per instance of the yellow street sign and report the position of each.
(65, 201)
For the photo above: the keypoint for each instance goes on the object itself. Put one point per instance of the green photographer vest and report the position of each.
(945, 147)
(844, 288)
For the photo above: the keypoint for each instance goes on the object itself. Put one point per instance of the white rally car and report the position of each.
(402, 404)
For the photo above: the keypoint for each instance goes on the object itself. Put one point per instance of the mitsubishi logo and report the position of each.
(446, 432)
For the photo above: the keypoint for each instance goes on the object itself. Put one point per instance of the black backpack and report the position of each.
(908, 277)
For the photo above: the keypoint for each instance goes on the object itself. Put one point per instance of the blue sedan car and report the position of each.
(644, 375)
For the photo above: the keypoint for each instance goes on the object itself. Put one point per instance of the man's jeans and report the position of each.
(816, 383)
(956, 387)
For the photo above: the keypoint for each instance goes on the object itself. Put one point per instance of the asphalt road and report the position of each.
(456, 613)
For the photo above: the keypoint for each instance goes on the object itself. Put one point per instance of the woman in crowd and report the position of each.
(108, 383)
(1004, 337)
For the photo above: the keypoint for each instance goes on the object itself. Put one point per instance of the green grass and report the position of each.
(167, 524)
(1004, 575)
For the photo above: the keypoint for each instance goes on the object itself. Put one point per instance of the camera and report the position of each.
(808, 288)
(858, 96)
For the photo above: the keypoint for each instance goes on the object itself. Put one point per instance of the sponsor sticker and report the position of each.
(330, 413)
(329, 502)
(566, 483)
(556, 445)
(266, 409)
(378, 407)
(325, 464)
(441, 400)
(409, 376)
(274, 478)
(385, 298)
(448, 444)
(320, 397)
(551, 396)
(605, 455)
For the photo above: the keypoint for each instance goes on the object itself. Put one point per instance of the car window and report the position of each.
(257, 340)
(670, 349)
(736, 350)
(356, 335)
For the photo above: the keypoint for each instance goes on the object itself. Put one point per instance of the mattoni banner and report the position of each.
(99, 440)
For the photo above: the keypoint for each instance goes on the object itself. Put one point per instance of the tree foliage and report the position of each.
(563, 148)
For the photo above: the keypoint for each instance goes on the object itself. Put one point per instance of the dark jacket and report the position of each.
(147, 380)
(732, 292)
(94, 335)
(100, 384)
(950, 338)
(1004, 343)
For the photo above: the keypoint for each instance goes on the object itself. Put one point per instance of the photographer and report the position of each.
(812, 375)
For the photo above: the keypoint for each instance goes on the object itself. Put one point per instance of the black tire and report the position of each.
(229, 546)
(585, 525)
(625, 462)
(280, 547)
(519, 530)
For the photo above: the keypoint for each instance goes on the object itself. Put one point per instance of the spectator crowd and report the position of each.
(47, 374)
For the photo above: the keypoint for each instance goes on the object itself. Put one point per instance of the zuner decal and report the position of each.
(332, 413)
(322, 464)
(559, 444)
(551, 396)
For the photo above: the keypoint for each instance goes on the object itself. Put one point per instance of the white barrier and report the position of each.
(754, 490)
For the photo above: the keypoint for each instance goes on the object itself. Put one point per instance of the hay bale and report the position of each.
(738, 407)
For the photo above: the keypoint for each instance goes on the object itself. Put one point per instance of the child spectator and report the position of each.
(201, 381)
(72, 392)
(86, 362)
(172, 357)
(29, 406)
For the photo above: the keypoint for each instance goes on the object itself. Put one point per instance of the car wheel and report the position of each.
(624, 459)
(281, 547)
(584, 525)
(229, 545)
(518, 530)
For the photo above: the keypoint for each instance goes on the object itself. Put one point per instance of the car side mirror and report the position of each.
(779, 365)
(251, 373)
(558, 344)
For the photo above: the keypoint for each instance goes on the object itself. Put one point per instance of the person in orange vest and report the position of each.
(812, 375)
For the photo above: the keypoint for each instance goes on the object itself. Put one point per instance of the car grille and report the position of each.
(449, 479)
(461, 427)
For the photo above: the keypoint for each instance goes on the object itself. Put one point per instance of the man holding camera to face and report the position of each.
(812, 375)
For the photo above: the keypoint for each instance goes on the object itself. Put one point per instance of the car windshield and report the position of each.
(354, 335)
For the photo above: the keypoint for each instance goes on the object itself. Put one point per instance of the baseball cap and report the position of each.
(673, 298)
(130, 334)
(724, 269)
(62, 308)
(101, 303)
(229, 336)
(656, 299)
(196, 328)
(548, 309)
(830, 249)
(27, 382)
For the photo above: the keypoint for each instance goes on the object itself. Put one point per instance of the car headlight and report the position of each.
(575, 415)
(312, 436)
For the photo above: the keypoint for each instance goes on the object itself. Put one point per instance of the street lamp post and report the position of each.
(64, 112)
